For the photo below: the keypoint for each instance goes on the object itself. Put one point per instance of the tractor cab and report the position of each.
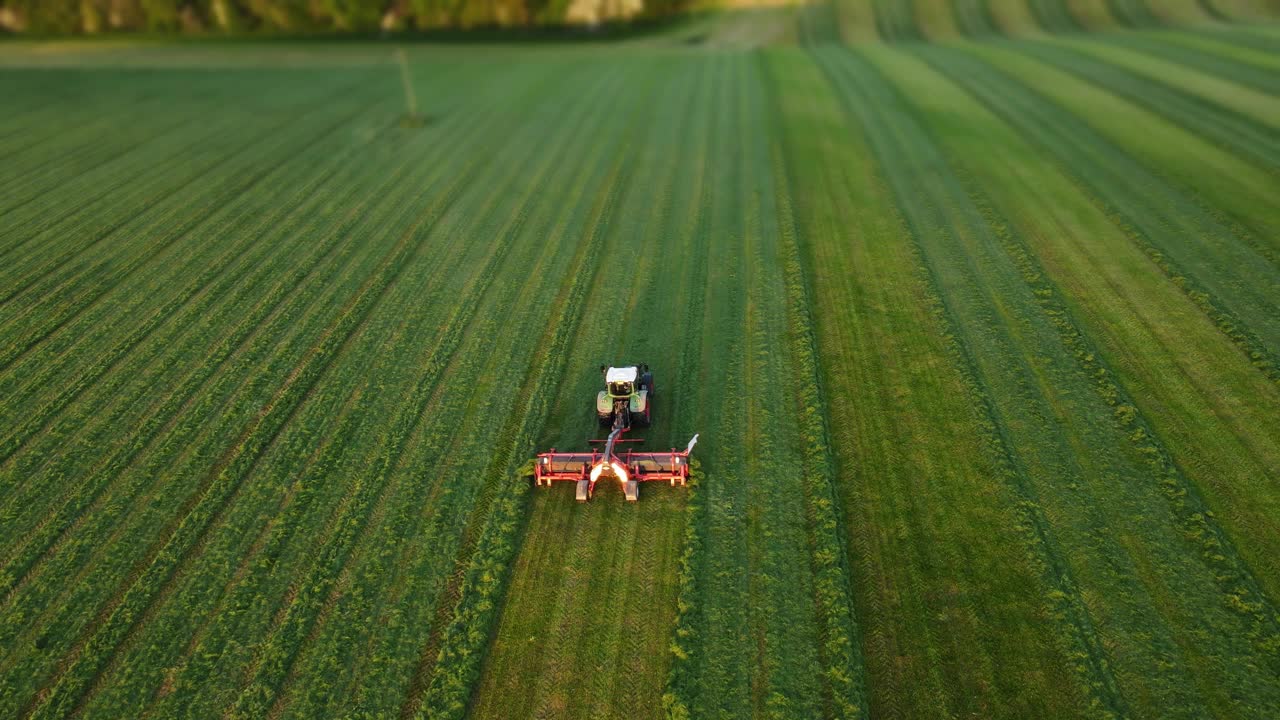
(621, 382)
(626, 396)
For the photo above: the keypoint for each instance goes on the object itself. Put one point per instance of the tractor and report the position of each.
(625, 402)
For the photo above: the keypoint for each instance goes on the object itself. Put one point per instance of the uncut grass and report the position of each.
(592, 596)
(1210, 638)
(321, 305)
(399, 351)
(938, 561)
(446, 506)
(161, 163)
(455, 466)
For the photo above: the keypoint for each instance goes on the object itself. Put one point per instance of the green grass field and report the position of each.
(981, 335)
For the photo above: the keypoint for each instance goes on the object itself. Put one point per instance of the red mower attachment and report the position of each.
(630, 468)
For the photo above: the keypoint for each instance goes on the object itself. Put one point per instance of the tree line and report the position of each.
(291, 16)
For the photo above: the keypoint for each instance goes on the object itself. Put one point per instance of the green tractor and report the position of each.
(627, 399)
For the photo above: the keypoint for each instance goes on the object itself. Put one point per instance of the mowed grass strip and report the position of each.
(1251, 139)
(1224, 62)
(1225, 268)
(896, 405)
(1218, 182)
(1181, 69)
(1199, 596)
(890, 475)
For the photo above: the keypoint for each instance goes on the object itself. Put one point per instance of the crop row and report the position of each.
(170, 217)
(282, 287)
(1216, 267)
(49, 239)
(147, 582)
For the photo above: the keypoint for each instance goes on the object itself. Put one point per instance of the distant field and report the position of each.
(982, 338)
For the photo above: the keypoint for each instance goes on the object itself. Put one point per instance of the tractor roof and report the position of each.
(620, 374)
